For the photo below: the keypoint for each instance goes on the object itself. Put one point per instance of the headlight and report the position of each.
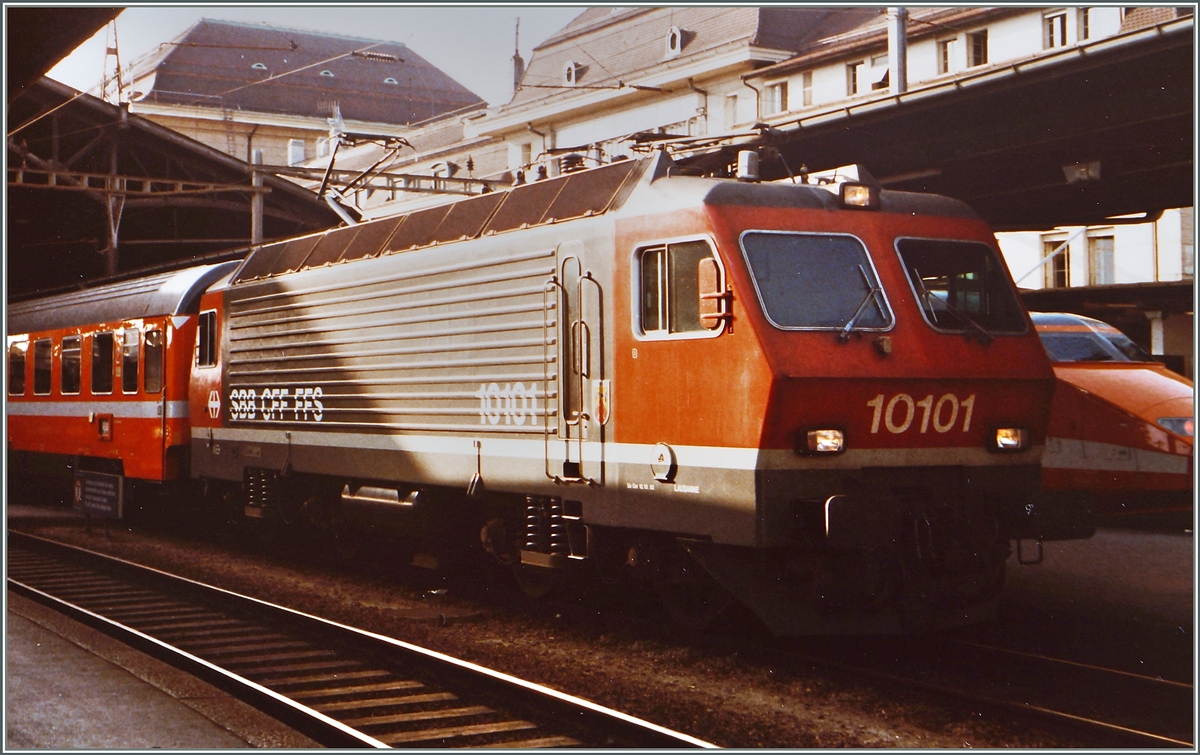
(1179, 425)
(1010, 439)
(824, 441)
(865, 196)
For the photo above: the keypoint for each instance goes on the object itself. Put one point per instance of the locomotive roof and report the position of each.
(567, 197)
(174, 293)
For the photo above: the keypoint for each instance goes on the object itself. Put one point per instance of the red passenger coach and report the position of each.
(97, 379)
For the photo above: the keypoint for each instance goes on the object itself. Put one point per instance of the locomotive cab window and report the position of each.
(16, 368)
(102, 362)
(810, 281)
(42, 354)
(961, 286)
(153, 371)
(680, 287)
(130, 356)
(206, 340)
(71, 360)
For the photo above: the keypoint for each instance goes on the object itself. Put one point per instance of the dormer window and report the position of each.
(327, 72)
(390, 80)
(571, 73)
(674, 42)
(259, 66)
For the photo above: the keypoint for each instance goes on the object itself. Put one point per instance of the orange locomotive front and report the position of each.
(866, 405)
(97, 379)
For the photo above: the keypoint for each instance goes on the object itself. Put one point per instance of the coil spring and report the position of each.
(262, 488)
(545, 529)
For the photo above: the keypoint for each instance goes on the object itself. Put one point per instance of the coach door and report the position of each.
(575, 325)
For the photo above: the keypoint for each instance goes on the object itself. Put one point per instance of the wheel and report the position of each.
(691, 597)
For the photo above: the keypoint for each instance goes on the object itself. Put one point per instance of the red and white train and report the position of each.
(1122, 425)
(825, 400)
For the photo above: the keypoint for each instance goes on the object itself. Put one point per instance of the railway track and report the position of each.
(1106, 707)
(341, 686)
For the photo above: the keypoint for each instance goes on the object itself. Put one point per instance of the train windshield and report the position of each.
(808, 281)
(1069, 338)
(962, 287)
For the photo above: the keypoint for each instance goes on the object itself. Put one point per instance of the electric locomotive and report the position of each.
(825, 400)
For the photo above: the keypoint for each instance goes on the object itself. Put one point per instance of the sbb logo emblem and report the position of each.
(214, 404)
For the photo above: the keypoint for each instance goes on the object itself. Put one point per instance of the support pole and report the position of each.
(256, 199)
(897, 19)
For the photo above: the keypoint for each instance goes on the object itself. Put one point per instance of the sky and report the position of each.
(472, 44)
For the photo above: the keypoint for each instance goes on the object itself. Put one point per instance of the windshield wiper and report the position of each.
(979, 331)
(873, 290)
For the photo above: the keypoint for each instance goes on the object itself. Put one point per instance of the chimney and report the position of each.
(518, 61)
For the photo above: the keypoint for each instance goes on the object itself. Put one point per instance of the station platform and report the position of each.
(69, 686)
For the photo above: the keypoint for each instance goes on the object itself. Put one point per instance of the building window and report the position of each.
(102, 362)
(571, 73)
(42, 355)
(852, 70)
(153, 371)
(806, 88)
(775, 98)
(72, 358)
(295, 151)
(1058, 269)
(259, 66)
(977, 48)
(1100, 261)
(131, 352)
(674, 42)
(1084, 22)
(206, 340)
(391, 80)
(1054, 30)
(945, 53)
(673, 276)
(327, 73)
(16, 368)
(731, 110)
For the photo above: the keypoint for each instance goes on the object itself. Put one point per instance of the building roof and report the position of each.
(611, 45)
(238, 66)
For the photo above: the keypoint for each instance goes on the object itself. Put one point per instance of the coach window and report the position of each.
(670, 283)
(42, 355)
(16, 368)
(130, 353)
(102, 363)
(206, 340)
(815, 281)
(69, 364)
(153, 371)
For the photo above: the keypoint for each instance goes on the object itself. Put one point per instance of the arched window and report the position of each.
(259, 66)
(571, 73)
(674, 42)
(327, 72)
(390, 80)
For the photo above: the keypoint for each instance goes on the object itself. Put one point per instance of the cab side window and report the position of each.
(206, 340)
(70, 364)
(673, 282)
(16, 368)
(102, 363)
(42, 354)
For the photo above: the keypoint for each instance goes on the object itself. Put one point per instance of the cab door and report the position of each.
(575, 432)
